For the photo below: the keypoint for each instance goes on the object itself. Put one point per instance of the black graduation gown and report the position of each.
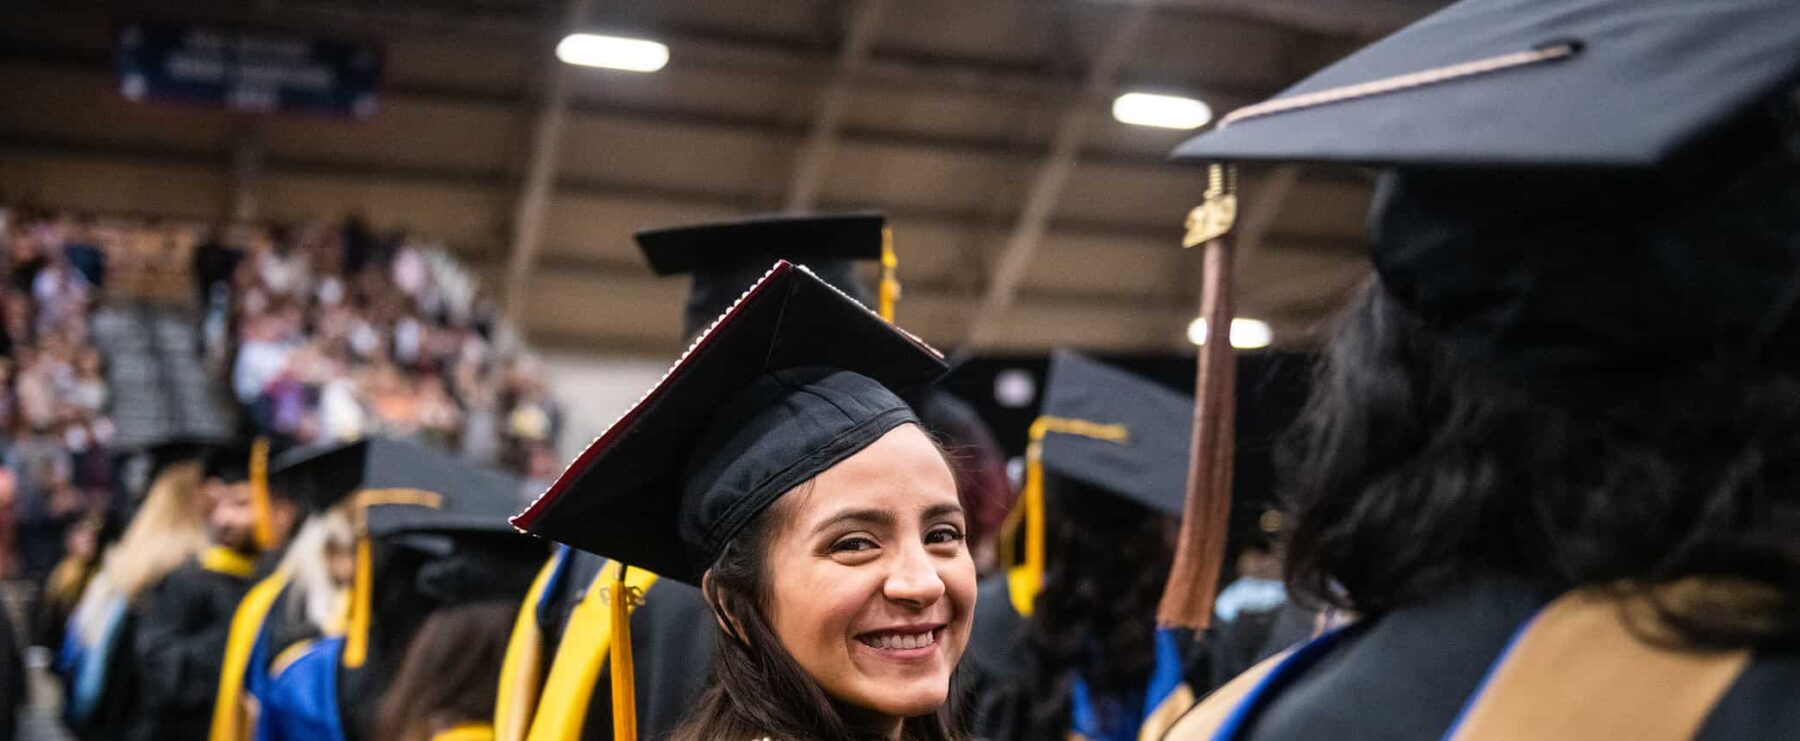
(672, 645)
(998, 666)
(178, 647)
(1408, 674)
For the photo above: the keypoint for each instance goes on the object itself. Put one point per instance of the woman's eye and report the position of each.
(945, 534)
(853, 545)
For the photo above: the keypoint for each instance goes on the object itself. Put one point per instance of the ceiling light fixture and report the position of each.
(1246, 334)
(612, 52)
(1161, 111)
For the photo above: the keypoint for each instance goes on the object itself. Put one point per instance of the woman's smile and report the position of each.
(910, 643)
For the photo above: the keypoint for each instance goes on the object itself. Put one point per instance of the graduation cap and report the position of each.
(725, 258)
(176, 450)
(398, 491)
(794, 378)
(1585, 196)
(1110, 430)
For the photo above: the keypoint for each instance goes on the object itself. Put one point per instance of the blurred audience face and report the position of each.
(233, 518)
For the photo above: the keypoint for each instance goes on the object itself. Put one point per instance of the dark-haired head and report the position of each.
(808, 595)
(1106, 561)
(450, 674)
(1414, 469)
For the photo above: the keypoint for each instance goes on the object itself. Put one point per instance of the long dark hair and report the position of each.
(1096, 616)
(450, 674)
(757, 690)
(1412, 469)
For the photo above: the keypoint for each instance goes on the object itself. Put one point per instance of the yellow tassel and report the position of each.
(356, 635)
(260, 506)
(1026, 579)
(890, 276)
(624, 671)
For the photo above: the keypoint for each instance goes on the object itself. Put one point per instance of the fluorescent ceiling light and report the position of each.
(1161, 111)
(1246, 334)
(612, 52)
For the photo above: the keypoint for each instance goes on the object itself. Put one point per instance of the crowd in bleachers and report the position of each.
(336, 333)
(314, 333)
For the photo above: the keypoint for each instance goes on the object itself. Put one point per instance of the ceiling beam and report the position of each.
(815, 155)
(1052, 175)
(539, 186)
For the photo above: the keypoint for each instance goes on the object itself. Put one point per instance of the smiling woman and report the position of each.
(777, 468)
(846, 605)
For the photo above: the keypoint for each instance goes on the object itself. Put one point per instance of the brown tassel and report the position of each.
(1200, 550)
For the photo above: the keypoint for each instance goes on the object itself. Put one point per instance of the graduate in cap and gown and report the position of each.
(183, 619)
(1549, 457)
(430, 533)
(303, 598)
(1066, 643)
(671, 641)
(776, 469)
(169, 530)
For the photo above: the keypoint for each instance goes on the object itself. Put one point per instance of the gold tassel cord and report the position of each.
(1200, 549)
(585, 650)
(1025, 580)
(624, 671)
(890, 275)
(362, 585)
(260, 506)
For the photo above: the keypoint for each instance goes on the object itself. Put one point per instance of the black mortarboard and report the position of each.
(228, 462)
(179, 450)
(1148, 466)
(794, 378)
(465, 497)
(1109, 431)
(1484, 82)
(725, 258)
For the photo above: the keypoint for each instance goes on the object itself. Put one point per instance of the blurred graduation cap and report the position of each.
(183, 449)
(1109, 429)
(413, 496)
(726, 258)
(795, 377)
(1582, 195)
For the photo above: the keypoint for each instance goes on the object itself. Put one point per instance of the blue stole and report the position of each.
(1112, 718)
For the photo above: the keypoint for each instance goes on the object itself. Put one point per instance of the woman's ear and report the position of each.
(727, 621)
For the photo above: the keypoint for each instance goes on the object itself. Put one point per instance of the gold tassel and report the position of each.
(890, 275)
(264, 524)
(356, 632)
(1200, 550)
(624, 672)
(1026, 579)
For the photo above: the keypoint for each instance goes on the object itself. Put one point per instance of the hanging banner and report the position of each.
(249, 72)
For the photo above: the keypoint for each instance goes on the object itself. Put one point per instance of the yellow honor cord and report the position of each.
(522, 669)
(362, 585)
(890, 275)
(1026, 579)
(226, 561)
(260, 507)
(228, 720)
(585, 648)
(624, 671)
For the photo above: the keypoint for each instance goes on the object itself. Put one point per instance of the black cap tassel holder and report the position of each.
(1200, 550)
